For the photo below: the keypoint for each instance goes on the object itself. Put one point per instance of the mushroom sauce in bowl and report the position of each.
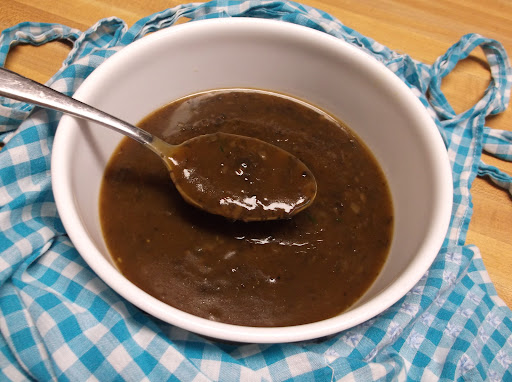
(315, 279)
(274, 273)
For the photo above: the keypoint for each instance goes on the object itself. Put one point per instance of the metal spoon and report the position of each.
(238, 177)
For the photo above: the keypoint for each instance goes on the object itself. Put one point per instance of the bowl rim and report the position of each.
(245, 334)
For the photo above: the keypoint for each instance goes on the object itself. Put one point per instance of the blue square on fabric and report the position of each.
(323, 374)
(63, 378)
(434, 336)
(119, 378)
(467, 282)
(73, 290)
(69, 328)
(71, 254)
(507, 322)
(355, 353)
(315, 375)
(49, 277)
(458, 167)
(273, 354)
(194, 349)
(30, 135)
(434, 282)
(375, 334)
(479, 313)
(425, 302)
(224, 357)
(400, 341)
(47, 301)
(40, 372)
(487, 353)
(483, 373)
(456, 298)
(498, 337)
(92, 359)
(449, 370)
(99, 308)
(8, 174)
(461, 345)
(420, 360)
(444, 314)
(146, 362)
(10, 304)
(38, 165)
(70, 72)
(23, 229)
(22, 339)
(120, 331)
(5, 243)
(487, 300)
(471, 327)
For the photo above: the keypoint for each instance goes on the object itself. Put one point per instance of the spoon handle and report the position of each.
(15, 86)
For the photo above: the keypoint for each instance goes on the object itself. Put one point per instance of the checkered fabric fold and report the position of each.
(59, 321)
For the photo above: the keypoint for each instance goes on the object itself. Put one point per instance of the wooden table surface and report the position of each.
(424, 29)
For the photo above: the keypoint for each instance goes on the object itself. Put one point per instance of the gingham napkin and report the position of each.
(60, 322)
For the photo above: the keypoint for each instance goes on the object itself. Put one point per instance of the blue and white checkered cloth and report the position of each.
(59, 321)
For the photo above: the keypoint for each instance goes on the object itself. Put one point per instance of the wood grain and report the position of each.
(424, 29)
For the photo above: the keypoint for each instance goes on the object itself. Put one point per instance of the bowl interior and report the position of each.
(280, 57)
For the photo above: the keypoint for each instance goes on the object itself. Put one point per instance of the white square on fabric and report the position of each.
(24, 245)
(96, 286)
(27, 185)
(4, 264)
(71, 270)
(171, 359)
(144, 337)
(64, 357)
(19, 154)
(119, 358)
(298, 364)
(440, 355)
(5, 198)
(12, 373)
(211, 368)
(96, 333)
(378, 371)
(247, 374)
(45, 323)
(26, 214)
(48, 209)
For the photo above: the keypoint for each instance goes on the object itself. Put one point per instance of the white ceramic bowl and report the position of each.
(282, 57)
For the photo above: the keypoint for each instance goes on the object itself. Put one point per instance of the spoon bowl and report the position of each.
(211, 172)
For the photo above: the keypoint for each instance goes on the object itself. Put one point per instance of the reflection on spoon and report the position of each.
(240, 178)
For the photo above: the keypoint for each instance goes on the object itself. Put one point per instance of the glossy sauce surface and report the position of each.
(276, 273)
(241, 178)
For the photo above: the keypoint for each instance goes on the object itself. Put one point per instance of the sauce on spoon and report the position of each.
(239, 177)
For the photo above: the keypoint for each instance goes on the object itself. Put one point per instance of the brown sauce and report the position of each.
(239, 177)
(275, 273)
